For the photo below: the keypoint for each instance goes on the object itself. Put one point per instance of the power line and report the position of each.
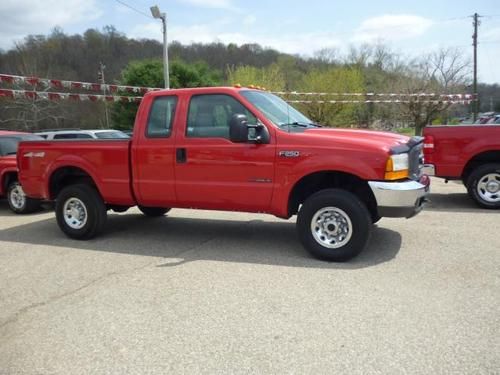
(134, 9)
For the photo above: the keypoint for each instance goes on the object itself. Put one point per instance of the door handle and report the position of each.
(181, 155)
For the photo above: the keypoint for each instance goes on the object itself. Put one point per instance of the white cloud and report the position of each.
(249, 20)
(490, 35)
(23, 17)
(391, 27)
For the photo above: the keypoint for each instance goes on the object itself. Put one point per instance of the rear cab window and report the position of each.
(161, 116)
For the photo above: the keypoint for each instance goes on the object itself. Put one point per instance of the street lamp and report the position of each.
(155, 12)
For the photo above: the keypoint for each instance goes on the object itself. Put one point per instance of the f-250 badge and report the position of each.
(289, 154)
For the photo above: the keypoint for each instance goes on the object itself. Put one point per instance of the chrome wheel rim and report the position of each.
(75, 213)
(488, 188)
(17, 197)
(331, 227)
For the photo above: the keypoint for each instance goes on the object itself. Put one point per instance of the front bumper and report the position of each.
(400, 199)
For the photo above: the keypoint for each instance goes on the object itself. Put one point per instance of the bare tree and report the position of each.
(442, 72)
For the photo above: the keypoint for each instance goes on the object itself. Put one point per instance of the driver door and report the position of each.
(214, 173)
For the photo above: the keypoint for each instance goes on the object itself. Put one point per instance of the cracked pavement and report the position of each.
(215, 292)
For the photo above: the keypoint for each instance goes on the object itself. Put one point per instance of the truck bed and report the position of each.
(106, 161)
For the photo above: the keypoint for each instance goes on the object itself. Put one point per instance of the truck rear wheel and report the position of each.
(80, 211)
(19, 203)
(153, 211)
(483, 185)
(334, 225)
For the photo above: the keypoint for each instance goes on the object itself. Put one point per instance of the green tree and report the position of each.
(149, 73)
(332, 80)
(270, 77)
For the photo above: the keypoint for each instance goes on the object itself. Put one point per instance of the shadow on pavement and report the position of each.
(454, 202)
(181, 240)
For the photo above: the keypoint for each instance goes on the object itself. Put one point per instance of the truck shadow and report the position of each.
(454, 202)
(182, 240)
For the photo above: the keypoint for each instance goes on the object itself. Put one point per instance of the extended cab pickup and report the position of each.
(232, 149)
(470, 153)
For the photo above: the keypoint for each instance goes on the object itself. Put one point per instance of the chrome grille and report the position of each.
(416, 161)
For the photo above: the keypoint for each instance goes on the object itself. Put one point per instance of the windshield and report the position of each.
(111, 135)
(276, 109)
(8, 145)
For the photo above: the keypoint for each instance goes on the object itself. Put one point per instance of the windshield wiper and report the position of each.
(300, 124)
(11, 153)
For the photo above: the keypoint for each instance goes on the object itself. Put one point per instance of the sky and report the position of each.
(299, 27)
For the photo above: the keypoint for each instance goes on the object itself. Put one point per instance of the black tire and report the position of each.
(349, 205)
(96, 214)
(18, 202)
(154, 211)
(480, 194)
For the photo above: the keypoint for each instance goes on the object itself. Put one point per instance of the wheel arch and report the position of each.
(314, 182)
(67, 175)
(6, 178)
(491, 156)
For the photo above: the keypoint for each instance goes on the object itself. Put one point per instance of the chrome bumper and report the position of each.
(400, 199)
(429, 169)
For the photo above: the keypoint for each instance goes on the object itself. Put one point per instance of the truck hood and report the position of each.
(367, 139)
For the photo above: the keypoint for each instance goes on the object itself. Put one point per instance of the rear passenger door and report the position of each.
(211, 171)
(153, 154)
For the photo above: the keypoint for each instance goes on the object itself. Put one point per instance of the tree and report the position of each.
(332, 80)
(442, 72)
(149, 73)
(271, 77)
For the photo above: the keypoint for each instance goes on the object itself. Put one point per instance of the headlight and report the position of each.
(397, 167)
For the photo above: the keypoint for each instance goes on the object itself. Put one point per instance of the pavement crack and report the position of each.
(16, 316)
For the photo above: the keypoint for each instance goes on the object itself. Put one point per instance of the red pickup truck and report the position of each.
(232, 149)
(9, 184)
(470, 153)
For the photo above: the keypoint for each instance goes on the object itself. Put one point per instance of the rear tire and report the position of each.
(19, 203)
(153, 211)
(80, 212)
(483, 185)
(334, 225)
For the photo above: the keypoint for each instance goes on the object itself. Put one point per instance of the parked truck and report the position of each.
(233, 149)
(10, 187)
(467, 153)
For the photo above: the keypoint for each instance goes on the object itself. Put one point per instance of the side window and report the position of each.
(161, 116)
(209, 116)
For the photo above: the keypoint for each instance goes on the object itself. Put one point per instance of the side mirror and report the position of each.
(238, 128)
(241, 131)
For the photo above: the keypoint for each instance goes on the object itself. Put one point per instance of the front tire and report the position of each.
(80, 212)
(19, 203)
(334, 225)
(153, 211)
(483, 185)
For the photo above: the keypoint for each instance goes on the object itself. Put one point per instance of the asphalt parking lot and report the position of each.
(212, 292)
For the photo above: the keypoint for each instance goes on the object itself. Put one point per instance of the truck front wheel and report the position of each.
(334, 225)
(483, 185)
(153, 211)
(80, 211)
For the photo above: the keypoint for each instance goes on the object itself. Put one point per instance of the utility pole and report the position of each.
(155, 12)
(474, 43)
(102, 81)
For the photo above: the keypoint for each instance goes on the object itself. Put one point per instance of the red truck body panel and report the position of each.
(8, 164)
(454, 146)
(217, 173)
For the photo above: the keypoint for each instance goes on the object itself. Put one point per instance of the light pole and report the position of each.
(155, 11)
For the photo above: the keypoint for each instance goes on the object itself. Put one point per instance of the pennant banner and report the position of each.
(72, 85)
(55, 96)
(32, 95)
